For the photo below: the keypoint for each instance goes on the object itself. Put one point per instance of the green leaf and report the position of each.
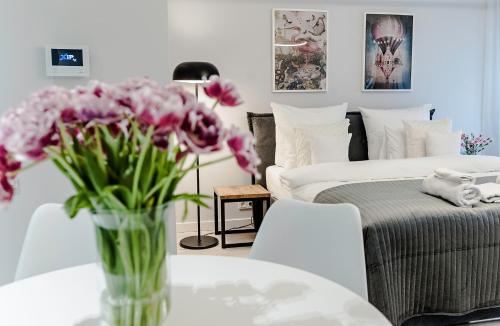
(195, 198)
(66, 168)
(148, 169)
(162, 185)
(75, 203)
(109, 142)
(121, 193)
(106, 244)
(97, 176)
(99, 152)
(67, 142)
(145, 144)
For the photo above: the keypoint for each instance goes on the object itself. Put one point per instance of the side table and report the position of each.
(230, 194)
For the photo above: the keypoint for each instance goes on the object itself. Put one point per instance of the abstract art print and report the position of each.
(388, 57)
(300, 40)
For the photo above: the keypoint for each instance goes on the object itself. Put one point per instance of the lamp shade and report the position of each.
(194, 72)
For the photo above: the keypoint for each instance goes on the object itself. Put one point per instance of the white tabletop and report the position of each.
(207, 290)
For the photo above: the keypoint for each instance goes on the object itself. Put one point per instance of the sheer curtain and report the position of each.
(491, 99)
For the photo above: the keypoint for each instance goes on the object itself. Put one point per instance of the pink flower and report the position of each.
(241, 145)
(97, 103)
(27, 129)
(223, 91)
(7, 161)
(132, 85)
(164, 108)
(136, 83)
(201, 130)
(474, 144)
(161, 107)
(6, 189)
(7, 165)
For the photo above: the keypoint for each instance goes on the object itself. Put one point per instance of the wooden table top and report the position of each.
(242, 192)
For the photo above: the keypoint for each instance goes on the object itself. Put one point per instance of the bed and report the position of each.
(427, 261)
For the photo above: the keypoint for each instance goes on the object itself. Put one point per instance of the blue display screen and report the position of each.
(67, 57)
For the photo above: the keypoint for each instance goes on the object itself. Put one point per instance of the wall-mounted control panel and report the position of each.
(67, 60)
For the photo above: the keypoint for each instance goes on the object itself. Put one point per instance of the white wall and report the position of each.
(126, 38)
(235, 35)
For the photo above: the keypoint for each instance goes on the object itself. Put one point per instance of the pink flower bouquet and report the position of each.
(124, 147)
(473, 145)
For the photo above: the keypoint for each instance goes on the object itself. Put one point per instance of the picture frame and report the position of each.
(403, 57)
(300, 66)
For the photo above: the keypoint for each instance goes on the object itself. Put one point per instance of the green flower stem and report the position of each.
(67, 142)
(141, 248)
(159, 186)
(68, 169)
(100, 152)
(144, 148)
(150, 172)
(147, 245)
(166, 186)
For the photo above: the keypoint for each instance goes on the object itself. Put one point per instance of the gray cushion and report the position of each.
(263, 128)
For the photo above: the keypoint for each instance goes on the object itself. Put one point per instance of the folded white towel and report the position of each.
(490, 192)
(460, 194)
(498, 179)
(454, 176)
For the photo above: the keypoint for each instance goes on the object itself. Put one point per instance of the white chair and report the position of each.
(323, 239)
(54, 241)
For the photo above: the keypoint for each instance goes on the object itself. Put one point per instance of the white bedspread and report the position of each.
(305, 183)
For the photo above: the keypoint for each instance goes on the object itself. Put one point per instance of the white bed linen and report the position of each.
(273, 182)
(306, 183)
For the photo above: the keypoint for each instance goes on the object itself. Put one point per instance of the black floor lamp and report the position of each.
(196, 73)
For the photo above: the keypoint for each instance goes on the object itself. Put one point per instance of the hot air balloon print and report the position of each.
(388, 52)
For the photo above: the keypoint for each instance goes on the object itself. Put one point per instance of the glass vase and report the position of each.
(134, 259)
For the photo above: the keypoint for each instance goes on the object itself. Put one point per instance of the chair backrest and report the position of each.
(323, 239)
(54, 241)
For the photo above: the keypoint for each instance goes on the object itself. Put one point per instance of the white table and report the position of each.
(207, 290)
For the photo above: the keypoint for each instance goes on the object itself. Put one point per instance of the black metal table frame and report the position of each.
(257, 214)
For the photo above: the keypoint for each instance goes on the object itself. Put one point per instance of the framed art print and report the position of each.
(300, 47)
(388, 54)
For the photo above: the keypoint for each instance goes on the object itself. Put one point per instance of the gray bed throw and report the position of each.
(424, 255)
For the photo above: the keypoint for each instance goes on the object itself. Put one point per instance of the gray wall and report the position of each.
(235, 35)
(125, 39)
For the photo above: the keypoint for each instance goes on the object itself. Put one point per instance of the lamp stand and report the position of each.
(198, 241)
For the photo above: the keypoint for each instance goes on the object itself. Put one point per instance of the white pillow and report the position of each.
(330, 149)
(443, 143)
(376, 120)
(305, 134)
(288, 117)
(395, 141)
(416, 132)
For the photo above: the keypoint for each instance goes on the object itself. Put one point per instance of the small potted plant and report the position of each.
(473, 145)
(124, 147)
